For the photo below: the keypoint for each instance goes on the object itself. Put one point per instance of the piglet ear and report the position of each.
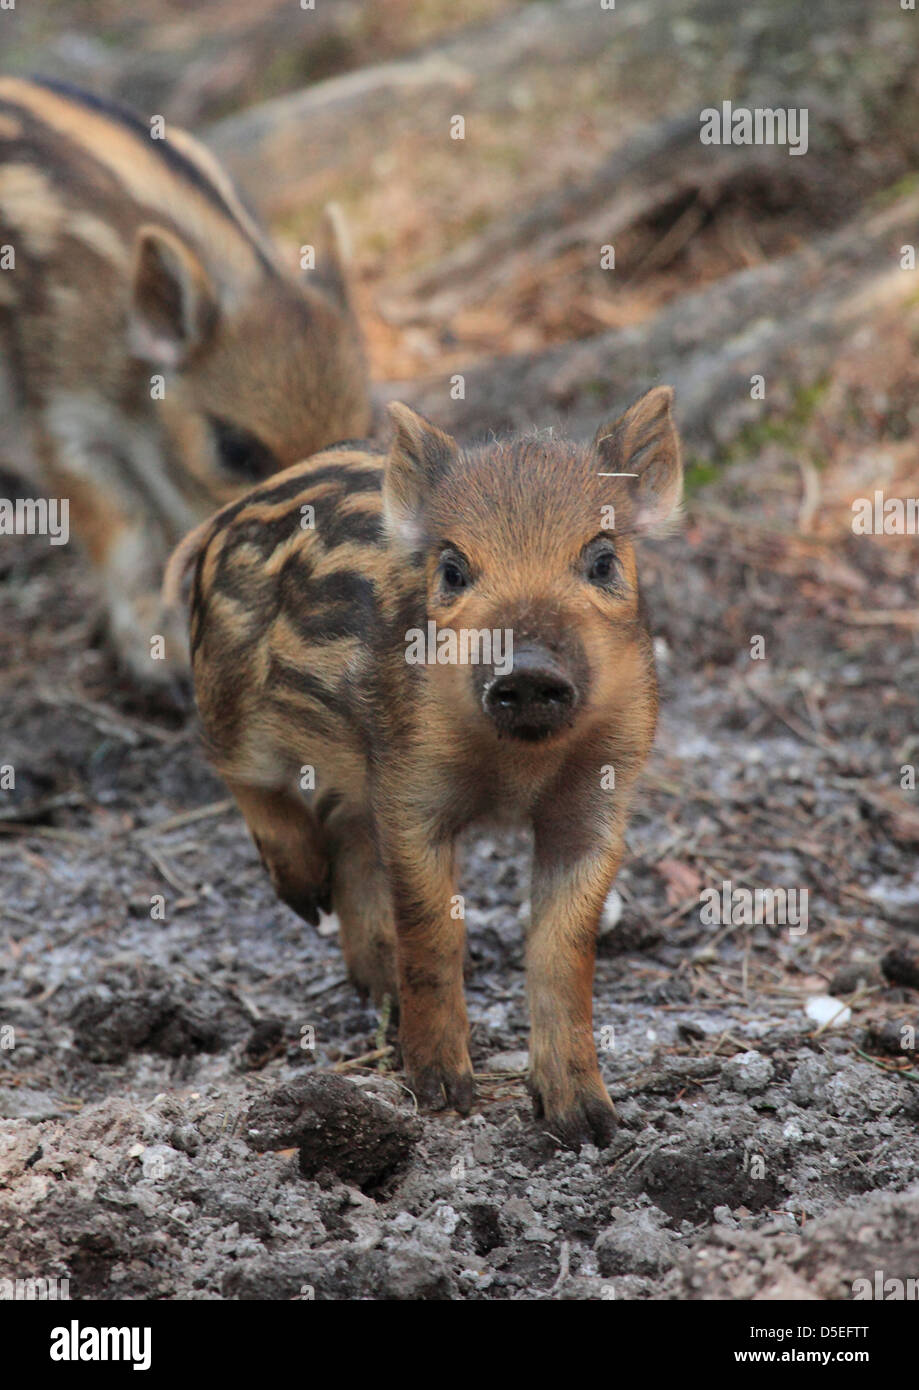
(333, 257)
(418, 453)
(644, 442)
(173, 307)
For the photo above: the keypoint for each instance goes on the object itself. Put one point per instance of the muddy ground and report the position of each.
(759, 1153)
(194, 1102)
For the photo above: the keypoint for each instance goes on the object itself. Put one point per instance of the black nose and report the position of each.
(533, 700)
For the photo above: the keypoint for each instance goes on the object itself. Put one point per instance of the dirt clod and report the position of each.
(336, 1128)
(748, 1072)
(110, 1024)
(890, 1038)
(635, 1243)
(901, 967)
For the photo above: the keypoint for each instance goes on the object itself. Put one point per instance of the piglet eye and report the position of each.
(454, 572)
(600, 564)
(242, 454)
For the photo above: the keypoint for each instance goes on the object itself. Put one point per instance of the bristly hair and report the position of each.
(177, 160)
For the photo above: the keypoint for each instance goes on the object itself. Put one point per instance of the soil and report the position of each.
(174, 1123)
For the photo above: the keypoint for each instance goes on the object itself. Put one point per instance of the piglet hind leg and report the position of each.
(570, 885)
(362, 901)
(292, 847)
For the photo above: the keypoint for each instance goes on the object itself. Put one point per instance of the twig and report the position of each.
(891, 1071)
(879, 617)
(363, 1059)
(214, 808)
(797, 728)
(49, 832)
(169, 874)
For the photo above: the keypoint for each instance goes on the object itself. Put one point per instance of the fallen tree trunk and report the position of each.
(783, 320)
(865, 74)
(278, 147)
(662, 185)
(649, 199)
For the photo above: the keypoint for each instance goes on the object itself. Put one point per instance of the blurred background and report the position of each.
(581, 130)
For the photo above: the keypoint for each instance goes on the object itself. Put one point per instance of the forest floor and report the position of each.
(152, 1069)
(760, 1153)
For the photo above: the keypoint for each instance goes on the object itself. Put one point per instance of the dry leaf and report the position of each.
(683, 881)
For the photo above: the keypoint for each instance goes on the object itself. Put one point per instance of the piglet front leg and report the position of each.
(575, 863)
(430, 947)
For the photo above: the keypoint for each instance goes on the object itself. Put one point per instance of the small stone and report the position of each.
(748, 1072)
(508, 1061)
(539, 1235)
(807, 1083)
(185, 1138)
(635, 1244)
(412, 1275)
(849, 978)
(518, 1212)
(826, 1010)
(861, 1092)
(629, 1112)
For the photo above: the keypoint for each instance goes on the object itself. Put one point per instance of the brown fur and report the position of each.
(135, 259)
(299, 654)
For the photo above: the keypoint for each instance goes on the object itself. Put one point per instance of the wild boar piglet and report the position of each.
(157, 355)
(389, 648)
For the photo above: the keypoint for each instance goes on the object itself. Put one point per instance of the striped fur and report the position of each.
(303, 596)
(139, 272)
